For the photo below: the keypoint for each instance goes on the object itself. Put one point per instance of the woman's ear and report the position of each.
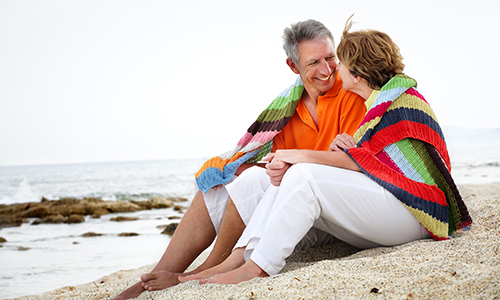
(292, 65)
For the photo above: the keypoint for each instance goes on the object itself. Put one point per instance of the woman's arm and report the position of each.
(337, 159)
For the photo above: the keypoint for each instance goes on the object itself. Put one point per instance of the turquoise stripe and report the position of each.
(404, 165)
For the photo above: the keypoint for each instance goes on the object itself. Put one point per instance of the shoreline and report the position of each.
(464, 267)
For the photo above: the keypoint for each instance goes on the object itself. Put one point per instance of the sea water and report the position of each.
(57, 255)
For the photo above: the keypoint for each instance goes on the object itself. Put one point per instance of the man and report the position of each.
(322, 111)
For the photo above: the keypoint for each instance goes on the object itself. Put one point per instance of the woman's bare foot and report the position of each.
(235, 260)
(132, 292)
(246, 272)
(159, 280)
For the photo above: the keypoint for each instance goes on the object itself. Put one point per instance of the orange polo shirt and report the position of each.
(339, 111)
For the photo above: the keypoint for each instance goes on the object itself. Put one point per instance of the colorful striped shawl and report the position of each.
(255, 144)
(401, 147)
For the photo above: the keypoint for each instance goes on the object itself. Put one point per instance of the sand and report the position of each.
(464, 267)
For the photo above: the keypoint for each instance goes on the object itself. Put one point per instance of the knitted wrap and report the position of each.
(400, 145)
(255, 144)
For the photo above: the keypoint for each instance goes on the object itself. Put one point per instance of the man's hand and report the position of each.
(342, 141)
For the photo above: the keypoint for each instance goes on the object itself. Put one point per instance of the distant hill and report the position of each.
(457, 137)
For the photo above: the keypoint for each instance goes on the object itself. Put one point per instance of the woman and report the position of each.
(390, 185)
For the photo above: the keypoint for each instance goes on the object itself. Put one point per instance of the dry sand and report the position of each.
(464, 267)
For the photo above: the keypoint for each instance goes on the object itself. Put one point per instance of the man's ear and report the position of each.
(292, 66)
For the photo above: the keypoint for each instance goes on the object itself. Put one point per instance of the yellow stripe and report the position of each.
(433, 225)
(410, 101)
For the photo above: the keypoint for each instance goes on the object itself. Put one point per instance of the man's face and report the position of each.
(317, 65)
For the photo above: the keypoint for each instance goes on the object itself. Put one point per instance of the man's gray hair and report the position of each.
(306, 30)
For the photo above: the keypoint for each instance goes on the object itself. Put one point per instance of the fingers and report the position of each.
(276, 170)
(342, 141)
(217, 187)
(268, 157)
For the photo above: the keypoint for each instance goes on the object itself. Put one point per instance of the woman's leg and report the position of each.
(318, 195)
(310, 195)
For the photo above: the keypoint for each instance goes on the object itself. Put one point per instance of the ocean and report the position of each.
(56, 255)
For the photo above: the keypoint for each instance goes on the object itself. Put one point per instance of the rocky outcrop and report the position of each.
(71, 210)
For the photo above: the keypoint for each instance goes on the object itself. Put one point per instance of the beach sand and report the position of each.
(464, 267)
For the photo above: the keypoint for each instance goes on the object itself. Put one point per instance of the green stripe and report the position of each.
(412, 149)
(281, 102)
(271, 115)
(439, 180)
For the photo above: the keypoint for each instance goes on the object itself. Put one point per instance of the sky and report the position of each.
(123, 80)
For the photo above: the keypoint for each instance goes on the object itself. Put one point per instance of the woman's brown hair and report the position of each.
(370, 54)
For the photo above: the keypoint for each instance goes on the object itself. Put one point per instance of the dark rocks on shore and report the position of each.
(170, 228)
(128, 234)
(71, 210)
(123, 219)
(2, 240)
(91, 234)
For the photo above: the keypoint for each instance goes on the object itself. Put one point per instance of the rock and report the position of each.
(36, 211)
(11, 221)
(128, 234)
(73, 219)
(170, 229)
(21, 248)
(57, 219)
(179, 208)
(2, 240)
(122, 219)
(91, 234)
(174, 217)
(120, 206)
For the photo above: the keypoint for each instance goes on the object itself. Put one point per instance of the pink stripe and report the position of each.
(386, 160)
(259, 137)
(376, 111)
(415, 93)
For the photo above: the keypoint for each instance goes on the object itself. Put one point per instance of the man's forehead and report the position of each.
(317, 48)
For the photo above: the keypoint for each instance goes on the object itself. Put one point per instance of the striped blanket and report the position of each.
(255, 144)
(401, 147)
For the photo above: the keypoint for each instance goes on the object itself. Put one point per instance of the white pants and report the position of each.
(246, 193)
(343, 203)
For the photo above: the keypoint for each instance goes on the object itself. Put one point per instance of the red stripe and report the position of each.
(375, 167)
(407, 129)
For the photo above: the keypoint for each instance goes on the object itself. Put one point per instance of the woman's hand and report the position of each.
(275, 168)
(342, 141)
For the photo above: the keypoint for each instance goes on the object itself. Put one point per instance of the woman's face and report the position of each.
(347, 77)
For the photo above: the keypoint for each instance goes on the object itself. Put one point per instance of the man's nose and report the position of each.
(325, 67)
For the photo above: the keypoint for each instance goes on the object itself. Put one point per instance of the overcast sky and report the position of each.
(93, 81)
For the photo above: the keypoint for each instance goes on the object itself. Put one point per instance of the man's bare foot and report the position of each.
(235, 260)
(246, 272)
(159, 280)
(132, 292)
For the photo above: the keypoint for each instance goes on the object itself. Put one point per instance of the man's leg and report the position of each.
(230, 231)
(193, 235)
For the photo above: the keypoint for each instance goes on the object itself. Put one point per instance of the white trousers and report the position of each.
(314, 203)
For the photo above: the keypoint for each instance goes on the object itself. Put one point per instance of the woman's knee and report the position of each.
(298, 173)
